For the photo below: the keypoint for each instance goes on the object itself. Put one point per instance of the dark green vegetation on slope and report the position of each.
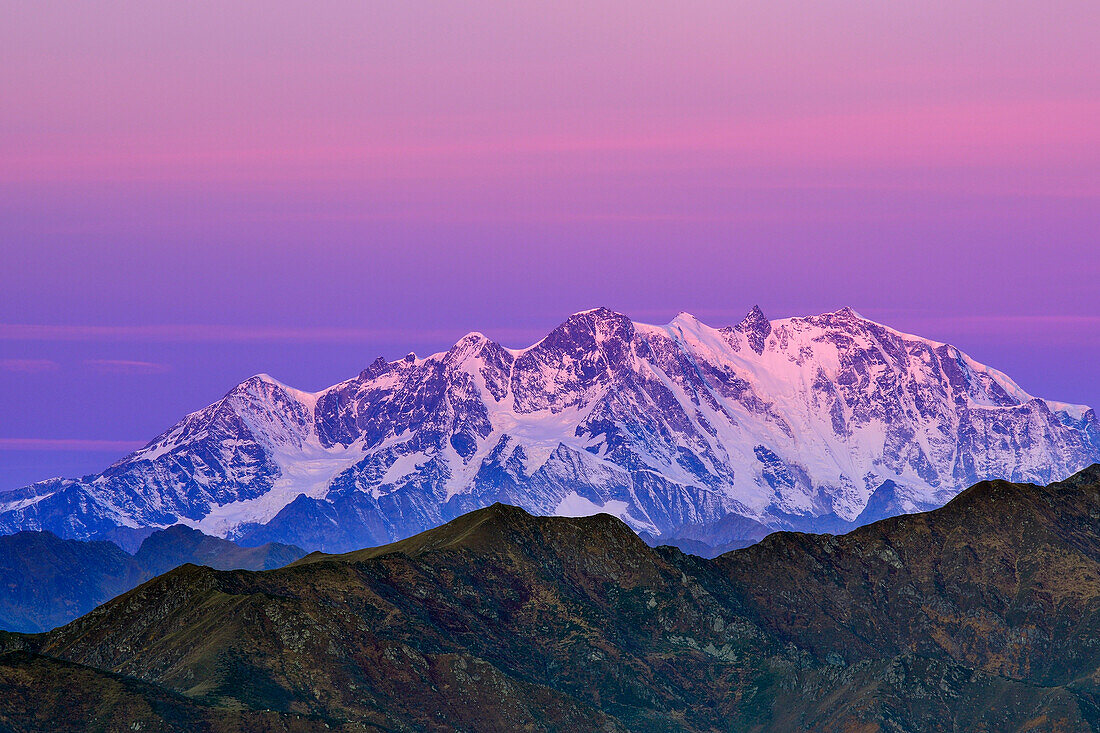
(982, 615)
(46, 581)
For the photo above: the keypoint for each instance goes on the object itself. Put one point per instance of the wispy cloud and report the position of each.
(213, 333)
(29, 366)
(181, 332)
(124, 366)
(1010, 323)
(69, 444)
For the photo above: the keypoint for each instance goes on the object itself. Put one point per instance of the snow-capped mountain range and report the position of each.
(818, 422)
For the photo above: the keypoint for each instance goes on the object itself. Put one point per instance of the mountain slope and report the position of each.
(46, 581)
(503, 620)
(820, 422)
(178, 545)
(1005, 578)
(43, 694)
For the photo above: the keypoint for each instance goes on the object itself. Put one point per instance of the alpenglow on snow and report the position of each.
(819, 422)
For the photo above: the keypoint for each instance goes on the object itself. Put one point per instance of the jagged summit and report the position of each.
(599, 312)
(814, 422)
(601, 322)
(377, 367)
(845, 312)
(755, 318)
(756, 328)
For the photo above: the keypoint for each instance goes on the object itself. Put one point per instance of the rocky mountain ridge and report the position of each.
(982, 615)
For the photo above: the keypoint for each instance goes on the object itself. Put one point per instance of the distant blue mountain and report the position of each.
(46, 581)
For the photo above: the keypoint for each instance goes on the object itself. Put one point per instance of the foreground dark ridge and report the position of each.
(981, 615)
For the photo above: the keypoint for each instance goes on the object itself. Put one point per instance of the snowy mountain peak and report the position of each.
(601, 323)
(847, 312)
(683, 318)
(469, 346)
(597, 312)
(807, 422)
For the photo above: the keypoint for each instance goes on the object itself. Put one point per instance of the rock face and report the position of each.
(981, 615)
(809, 423)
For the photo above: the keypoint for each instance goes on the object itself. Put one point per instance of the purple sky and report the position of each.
(193, 193)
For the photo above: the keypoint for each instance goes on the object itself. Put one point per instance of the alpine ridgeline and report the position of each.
(820, 423)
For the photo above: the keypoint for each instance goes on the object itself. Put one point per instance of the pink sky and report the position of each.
(194, 192)
(216, 92)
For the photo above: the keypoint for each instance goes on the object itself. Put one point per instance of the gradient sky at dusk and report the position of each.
(191, 193)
